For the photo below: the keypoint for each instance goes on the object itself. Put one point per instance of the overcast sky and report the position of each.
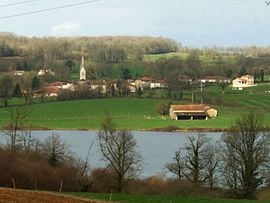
(194, 23)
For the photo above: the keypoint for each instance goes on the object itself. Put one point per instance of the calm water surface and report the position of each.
(156, 148)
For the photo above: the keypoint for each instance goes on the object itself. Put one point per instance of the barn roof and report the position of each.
(190, 107)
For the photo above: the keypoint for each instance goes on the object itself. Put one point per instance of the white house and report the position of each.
(19, 72)
(215, 79)
(242, 82)
(158, 84)
(43, 72)
(98, 85)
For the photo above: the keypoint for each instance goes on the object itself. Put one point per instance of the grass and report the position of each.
(154, 57)
(126, 198)
(140, 114)
(207, 59)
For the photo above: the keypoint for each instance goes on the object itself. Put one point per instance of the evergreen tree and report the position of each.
(36, 83)
(126, 74)
(243, 71)
(262, 75)
(139, 92)
(17, 91)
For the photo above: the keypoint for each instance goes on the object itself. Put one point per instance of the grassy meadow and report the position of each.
(126, 198)
(140, 114)
(207, 59)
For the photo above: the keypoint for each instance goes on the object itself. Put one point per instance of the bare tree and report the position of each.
(27, 142)
(16, 125)
(177, 165)
(212, 160)
(119, 150)
(195, 160)
(245, 155)
(56, 150)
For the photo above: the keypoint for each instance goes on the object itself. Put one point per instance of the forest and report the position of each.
(111, 57)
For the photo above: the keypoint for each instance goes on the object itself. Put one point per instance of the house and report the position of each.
(61, 85)
(57, 84)
(242, 82)
(68, 86)
(19, 72)
(98, 85)
(148, 82)
(51, 91)
(215, 79)
(158, 84)
(144, 82)
(192, 112)
(43, 72)
(185, 79)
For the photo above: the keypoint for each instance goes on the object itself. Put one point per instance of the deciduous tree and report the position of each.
(245, 155)
(119, 151)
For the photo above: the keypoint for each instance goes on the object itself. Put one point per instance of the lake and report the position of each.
(156, 148)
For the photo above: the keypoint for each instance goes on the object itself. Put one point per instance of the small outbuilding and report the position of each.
(192, 112)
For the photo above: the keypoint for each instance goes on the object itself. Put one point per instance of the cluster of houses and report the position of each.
(176, 112)
(53, 89)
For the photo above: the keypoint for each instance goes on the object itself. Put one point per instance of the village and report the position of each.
(191, 111)
(132, 86)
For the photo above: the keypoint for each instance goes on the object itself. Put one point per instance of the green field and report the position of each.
(153, 57)
(208, 59)
(158, 198)
(134, 114)
(140, 114)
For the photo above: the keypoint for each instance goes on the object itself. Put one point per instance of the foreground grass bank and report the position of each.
(158, 198)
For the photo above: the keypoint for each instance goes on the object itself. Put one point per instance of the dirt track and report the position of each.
(22, 196)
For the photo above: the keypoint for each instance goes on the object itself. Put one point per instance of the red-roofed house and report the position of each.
(51, 91)
(243, 81)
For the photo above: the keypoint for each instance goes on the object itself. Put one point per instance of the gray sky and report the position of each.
(194, 23)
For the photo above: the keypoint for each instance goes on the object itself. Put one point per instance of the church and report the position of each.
(82, 71)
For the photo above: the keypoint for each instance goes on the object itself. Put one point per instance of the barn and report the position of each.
(192, 112)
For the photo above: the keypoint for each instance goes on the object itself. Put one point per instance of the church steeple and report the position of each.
(82, 70)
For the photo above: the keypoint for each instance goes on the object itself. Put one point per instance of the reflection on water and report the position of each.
(156, 148)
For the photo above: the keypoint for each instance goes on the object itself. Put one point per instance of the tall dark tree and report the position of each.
(36, 83)
(17, 91)
(126, 74)
(6, 89)
(243, 71)
(139, 92)
(262, 75)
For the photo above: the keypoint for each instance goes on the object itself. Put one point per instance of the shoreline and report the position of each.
(162, 129)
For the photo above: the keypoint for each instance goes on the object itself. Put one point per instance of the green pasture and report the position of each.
(140, 113)
(126, 198)
(154, 57)
(131, 113)
(182, 55)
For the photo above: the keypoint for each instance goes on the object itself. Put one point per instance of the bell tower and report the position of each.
(82, 71)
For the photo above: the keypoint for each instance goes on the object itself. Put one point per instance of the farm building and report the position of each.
(215, 79)
(192, 112)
